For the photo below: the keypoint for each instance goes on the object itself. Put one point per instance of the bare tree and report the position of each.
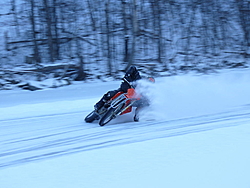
(49, 29)
(13, 2)
(109, 61)
(133, 35)
(56, 45)
(33, 24)
(156, 5)
(91, 13)
(244, 15)
(109, 30)
(125, 26)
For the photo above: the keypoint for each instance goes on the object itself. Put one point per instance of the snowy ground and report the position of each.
(200, 137)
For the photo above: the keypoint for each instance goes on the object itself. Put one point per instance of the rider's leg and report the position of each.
(106, 97)
(136, 116)
(140, 104)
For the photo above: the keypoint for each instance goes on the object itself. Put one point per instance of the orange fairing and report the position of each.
(116, 95)
(130, 93)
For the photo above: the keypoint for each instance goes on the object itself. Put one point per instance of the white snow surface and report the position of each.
(196, 134)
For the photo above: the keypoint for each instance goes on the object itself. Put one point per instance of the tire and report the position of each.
(91, 117)
(107, 117)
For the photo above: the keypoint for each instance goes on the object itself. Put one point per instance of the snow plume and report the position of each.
(189, 95)
(156, 94)
(172, 97)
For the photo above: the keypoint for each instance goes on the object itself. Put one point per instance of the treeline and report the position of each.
(117, 33)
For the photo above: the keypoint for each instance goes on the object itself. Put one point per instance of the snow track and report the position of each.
(35, 138)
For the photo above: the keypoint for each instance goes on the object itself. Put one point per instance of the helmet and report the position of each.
(151, 79)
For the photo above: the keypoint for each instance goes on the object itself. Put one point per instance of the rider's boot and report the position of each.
(104, 99)
(99, 105)
(136, 116)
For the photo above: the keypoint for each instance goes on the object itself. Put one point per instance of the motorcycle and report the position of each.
(120, 104)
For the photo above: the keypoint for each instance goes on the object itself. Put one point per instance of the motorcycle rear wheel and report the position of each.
(107, 117)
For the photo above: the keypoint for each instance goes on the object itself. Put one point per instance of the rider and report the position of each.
(131, 76)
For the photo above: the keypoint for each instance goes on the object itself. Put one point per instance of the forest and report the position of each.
(98, 39)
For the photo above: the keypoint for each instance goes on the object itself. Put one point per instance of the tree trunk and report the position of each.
(126, 38)
(56, 44)
(91, 16)
(49, 30)
(159, 32)
(32, 18)
(108, 38)
(134, 35)
(244, 15)
(15, 17)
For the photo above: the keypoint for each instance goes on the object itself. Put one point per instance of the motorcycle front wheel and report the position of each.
(110, 114)
(91, 117)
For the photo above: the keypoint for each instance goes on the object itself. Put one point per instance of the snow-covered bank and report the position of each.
(200, 137)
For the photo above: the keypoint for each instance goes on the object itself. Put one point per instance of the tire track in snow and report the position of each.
(49, 136)
(41, 116)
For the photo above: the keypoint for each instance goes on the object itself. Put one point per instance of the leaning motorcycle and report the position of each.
(120, 104)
